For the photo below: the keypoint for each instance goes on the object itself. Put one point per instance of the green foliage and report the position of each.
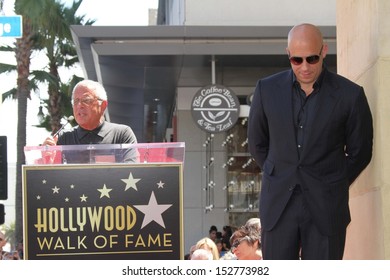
(52, 36)
(9, 94)
(7, 49)
(46, 28)
(9, 232)
(6, 68)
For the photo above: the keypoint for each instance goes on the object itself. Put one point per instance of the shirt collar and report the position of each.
(101, 131)
(317, 84)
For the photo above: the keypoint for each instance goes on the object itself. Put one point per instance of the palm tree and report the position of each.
(54, 29)
(23, 49)
(60, 52)
(30, 11)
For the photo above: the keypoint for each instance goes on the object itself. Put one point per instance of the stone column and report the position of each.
(363, 53)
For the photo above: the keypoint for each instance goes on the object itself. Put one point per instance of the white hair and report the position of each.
(202, 254)
(93, 87)
(254, 223)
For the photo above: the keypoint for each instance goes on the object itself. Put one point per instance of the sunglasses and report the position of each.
(238, 242)
(313, 59)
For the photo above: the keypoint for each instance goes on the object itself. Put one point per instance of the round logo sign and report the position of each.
(215, 108)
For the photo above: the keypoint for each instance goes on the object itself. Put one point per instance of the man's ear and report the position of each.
(104, 105)
(324, 51)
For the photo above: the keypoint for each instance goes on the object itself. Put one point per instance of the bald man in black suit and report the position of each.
(311, 133)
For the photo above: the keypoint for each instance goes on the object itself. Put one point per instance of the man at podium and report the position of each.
(89, 101)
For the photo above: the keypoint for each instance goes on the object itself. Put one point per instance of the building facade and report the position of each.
(152, 74)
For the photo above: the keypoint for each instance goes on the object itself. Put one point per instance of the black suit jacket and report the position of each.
(338, 146)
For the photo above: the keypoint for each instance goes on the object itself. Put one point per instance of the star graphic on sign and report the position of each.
(72, 186)
(83, 198)
(153, 211)
(160, 185)
(104, 191)
(44, 181)
(56, 189)
(66, 199)
(130, 182)
(38, 197)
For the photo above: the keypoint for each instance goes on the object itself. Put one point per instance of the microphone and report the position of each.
(68, 120)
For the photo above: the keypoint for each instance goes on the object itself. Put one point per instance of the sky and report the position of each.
(113, 12)
(118, 12)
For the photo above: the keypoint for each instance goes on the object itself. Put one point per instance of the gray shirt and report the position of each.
(106, 133)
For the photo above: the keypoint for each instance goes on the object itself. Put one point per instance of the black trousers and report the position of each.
(295, 236)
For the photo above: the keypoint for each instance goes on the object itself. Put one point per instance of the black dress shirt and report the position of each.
(304, 110)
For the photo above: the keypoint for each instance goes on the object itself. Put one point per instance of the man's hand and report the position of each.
(50, 141)
(48, 157)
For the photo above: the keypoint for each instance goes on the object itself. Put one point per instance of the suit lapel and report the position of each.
(285, 109)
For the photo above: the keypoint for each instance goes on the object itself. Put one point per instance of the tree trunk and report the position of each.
(23, 54)
(54, 99)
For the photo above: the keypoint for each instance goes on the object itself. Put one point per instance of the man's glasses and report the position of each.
(313, 59)
(84, 101)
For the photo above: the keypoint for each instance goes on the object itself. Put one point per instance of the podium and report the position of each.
(99, 201)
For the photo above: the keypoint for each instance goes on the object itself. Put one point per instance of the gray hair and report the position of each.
(93, 87)
(202, 254)
(253, 223)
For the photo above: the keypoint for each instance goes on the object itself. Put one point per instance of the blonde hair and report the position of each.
(208, 244)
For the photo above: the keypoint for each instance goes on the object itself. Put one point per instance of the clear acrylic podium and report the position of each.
(118, 201)
(105, 153)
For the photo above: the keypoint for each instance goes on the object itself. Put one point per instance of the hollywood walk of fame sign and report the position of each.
(104, 211)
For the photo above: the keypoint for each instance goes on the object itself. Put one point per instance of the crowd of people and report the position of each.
(243, 243)
(6, 255)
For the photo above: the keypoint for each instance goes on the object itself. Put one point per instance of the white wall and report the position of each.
(258, 12)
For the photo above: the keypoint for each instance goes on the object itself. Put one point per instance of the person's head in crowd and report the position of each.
(11, 256)
(228, 256)
(189, 255)
(202, 254)
(254, 223)
(3, 241)
(213, 232)
(245, 244)
(208, 244)
(19, 248)
(226, 234)
(227, 231)
(219, 244)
